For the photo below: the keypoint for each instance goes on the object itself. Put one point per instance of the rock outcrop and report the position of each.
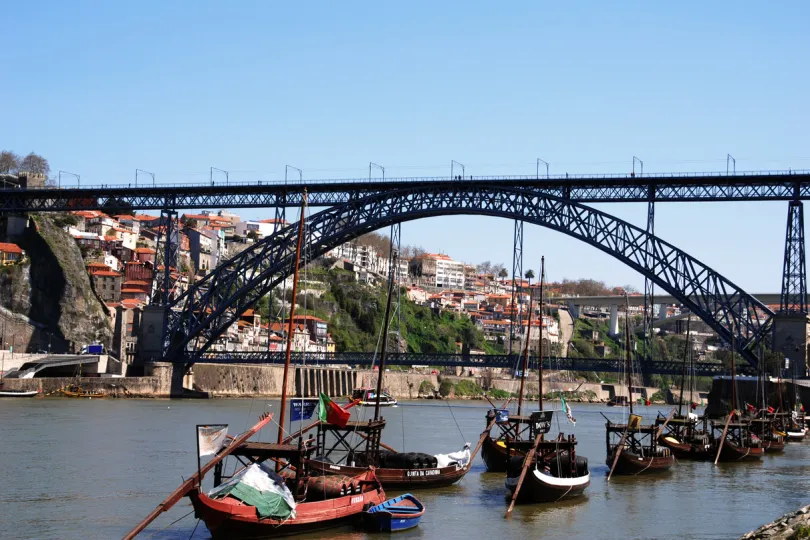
(794, 525)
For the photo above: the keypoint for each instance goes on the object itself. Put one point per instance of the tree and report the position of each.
(503, 273)
(253, 235)
(9, 162)
(484, 268)
(34, 163)
(529, 274)
(191, 223)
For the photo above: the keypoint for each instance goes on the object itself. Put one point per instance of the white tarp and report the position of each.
(211, 438)
(460, 458)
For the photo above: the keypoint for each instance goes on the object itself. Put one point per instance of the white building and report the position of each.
(263, 227)
(439, 269)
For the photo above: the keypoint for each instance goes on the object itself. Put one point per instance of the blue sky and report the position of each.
(103, 88)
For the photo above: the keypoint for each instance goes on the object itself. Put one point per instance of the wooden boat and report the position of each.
(18, 393)
(770, 440)
(368, 398)
(353, 448)
(633, 448)
(510, 428)
(732, 441)
(397, 514)
(556, 472)
(75, 391)
(617, 401)
(539, 470)
(683, 438)
(229, 518)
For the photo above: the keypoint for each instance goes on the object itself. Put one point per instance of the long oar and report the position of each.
(664, 425)
(723, 437)
(484, 435)
(189, 484)
(526, 463)
(619, 449)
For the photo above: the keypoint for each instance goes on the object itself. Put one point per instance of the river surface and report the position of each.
(86, 469)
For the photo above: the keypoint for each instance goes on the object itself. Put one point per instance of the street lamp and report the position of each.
(372, 164)
(211, 176)
(453, 163)
(539, 161)
(730, 159)
(300, 174)
(144, 172)
(634, 166)
(78, 178)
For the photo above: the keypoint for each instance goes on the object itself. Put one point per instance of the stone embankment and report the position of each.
(792, 526)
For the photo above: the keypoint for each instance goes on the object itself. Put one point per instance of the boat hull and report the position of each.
(687, 450)
(18, 394)
(731, 453)
(542, 488)
(228, 519)
(631, 464)
(771, 447)
(494, 455)
(795, 435)
(397, 478)
(401, 516)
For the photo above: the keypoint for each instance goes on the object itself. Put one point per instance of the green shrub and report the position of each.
(468, 388)
(446, 388)
(497, 393)
(426, 388)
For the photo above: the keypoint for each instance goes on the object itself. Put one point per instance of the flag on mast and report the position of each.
(332, 413)
(567, 409)
(211, 438)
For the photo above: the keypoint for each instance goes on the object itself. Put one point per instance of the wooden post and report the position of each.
(540, 347)
(526, 463)
(664, 425)
(484, 435)
(723, 437)
(526, 354)
(619, 449)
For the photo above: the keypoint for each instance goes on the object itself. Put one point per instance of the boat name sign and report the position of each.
(424, 472)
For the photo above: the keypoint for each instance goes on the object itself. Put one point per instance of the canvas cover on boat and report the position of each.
(462, 457)
(260, 487)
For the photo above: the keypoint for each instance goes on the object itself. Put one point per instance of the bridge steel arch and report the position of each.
(203, 313)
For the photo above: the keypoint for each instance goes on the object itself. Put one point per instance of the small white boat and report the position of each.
(18, 393)
(368, 398)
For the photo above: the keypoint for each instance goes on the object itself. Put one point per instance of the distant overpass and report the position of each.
(638, 300)
(506, 361)
(60, 365)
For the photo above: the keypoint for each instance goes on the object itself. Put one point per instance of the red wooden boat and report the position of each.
(737, 445)
(683, 439)
(640, 452)
(510, 428)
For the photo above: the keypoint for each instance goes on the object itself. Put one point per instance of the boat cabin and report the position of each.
(640, 439)
(368, 397)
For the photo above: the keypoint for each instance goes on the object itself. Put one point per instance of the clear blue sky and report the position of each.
(103, 88)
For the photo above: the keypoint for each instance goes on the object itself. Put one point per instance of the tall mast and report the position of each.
(686, 351)
(392, 257)
(733, 373)
(290, 325)
(540, 348)
(526, 353)
(627, 350)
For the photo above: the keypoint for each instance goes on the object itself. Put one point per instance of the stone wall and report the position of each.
(148, 387)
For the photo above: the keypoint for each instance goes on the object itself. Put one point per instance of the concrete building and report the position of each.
(438, 270)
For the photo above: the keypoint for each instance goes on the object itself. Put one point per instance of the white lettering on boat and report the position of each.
(424, 472)
(357, 499)
(334, 467)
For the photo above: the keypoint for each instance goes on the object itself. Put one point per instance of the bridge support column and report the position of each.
(517, 274)
(573, 309)
(613, 329)
(790, 323)
(662, 314)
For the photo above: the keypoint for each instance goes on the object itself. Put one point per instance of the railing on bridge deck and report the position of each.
(361, 359)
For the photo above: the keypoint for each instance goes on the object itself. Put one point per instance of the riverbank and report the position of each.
(791, 526)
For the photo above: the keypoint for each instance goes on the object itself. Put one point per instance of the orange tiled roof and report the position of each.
(8, 247)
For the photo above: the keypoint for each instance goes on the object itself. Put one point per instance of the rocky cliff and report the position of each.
(53, 288)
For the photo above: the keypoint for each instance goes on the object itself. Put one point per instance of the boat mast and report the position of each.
(687, 351)
(627, 350)
(540, 348)
(526, 353)
(290, 325)
(733, 373)
(391, 272)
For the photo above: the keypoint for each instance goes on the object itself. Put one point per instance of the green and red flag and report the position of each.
(332, 413)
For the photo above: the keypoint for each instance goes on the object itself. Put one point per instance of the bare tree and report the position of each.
(9, 162)
(34, 163)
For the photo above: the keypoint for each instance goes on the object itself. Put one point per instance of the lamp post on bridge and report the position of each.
(78, 178)
(730, 159)
(144, 172)
(211, 175)
(539, 161)
(372, 164)
(453, 163)
(634, 166)
(300, 173)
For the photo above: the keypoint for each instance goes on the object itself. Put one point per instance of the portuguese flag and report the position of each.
(332, 413)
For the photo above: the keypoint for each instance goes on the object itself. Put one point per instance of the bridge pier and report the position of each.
(613, 329)
(573, 309)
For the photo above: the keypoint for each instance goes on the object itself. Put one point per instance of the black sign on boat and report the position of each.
(541, 421)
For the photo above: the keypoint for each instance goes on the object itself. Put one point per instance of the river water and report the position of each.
(86, 469)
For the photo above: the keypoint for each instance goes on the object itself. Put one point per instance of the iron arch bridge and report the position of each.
(195, 319)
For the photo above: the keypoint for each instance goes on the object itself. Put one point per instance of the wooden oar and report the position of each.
(619, 449)
(526, 463)
(196, 478)
(484, 435)
(723, 437)
(664, 425)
